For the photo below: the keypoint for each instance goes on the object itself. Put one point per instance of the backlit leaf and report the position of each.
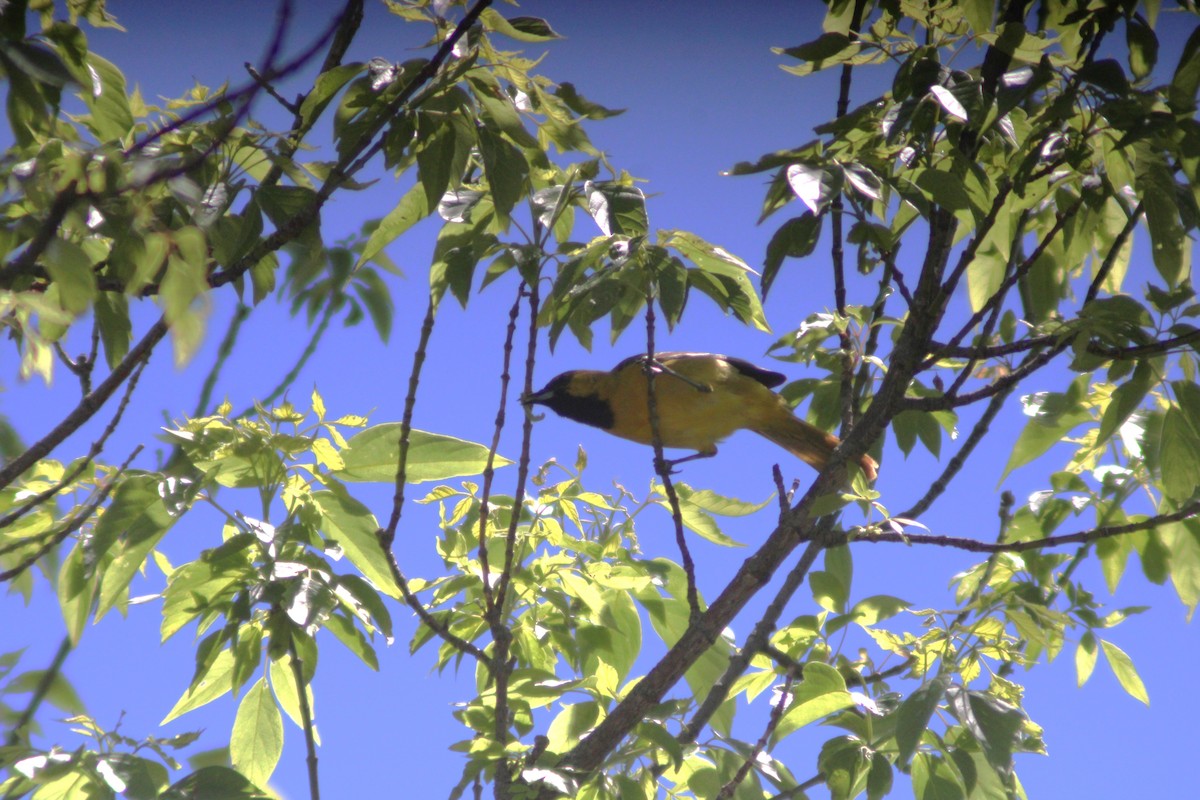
(257, 738)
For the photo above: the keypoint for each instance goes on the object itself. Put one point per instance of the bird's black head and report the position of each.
(575, 395)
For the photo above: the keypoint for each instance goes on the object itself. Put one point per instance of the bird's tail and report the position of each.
(808, 443)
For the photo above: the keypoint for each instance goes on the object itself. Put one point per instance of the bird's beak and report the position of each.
(540, 396)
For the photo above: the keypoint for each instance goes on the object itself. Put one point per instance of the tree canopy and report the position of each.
(1003, 197)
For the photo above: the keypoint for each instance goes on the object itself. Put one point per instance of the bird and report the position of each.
(700, 398)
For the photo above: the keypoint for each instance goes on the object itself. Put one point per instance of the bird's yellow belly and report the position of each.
(697, 420)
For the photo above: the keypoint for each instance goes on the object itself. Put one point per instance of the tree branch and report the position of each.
(73, 524)
(757, 641)
(1092, 535)
(95, 450)
(489, 470)
(87, 407)
(388, 534)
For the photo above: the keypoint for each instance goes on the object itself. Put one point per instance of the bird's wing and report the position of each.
(692, 365)
(766, 377)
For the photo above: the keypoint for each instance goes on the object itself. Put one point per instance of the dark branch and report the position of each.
(1081, 537)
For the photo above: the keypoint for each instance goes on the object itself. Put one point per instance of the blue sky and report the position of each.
(702, 91)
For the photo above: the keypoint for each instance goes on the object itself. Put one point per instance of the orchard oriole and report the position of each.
(701, 398)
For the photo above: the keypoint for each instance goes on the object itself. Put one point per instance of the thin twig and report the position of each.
(1060, 220)
(306, 722)
(87, 407)
(388, 534)
(94, 451)
(757, 639)
(75, 523)
(663, 467)
(266, 86)
(837, 252)
(224, 350)
(355, 157)
(978, 431)
(309, 351)
(427, 619)
(1087, 536)
(784, 504)
(510, 540)
(489, 469)
(1110, 258)
(49, 675)
(785, 696)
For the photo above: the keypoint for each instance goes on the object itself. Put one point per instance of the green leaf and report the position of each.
(111, 119)
(933, 778)
(216, 682)
(698, 521)
(76, 589)
(828, 591)
(719, 504)
(721, 275)
(978, 14)
(412, 208)
(796, 238)
(1186, 79)
(458, 251)
(257, 738)
(372, 456)
(828, 50)
(879, 779)
(876, 608)
(570, 724)
(670, 617)
(506, 169)
(325, 88)
(815, 186)
(995, 724)
(913, 715)
(617, 613)
(355, 529)
(1179, 455)
(58, 690)
(617, 208)
(840, 563)
(71, 270)
(985, 274)
(1085, 657)
(436, 149)
(116, 330)
(130, 528)
(185, 281)
(214, 783)
(949, 103)
(1182, 541)
(376, 297)
(523, 29)
(581, 105)
(283, 683)
(1126, 398)
(1143, 47)
(841, 763)
(821, 693)
(1046, 429)
(1169, 243)
(43, 65)
(1122, 667)
(944, 189)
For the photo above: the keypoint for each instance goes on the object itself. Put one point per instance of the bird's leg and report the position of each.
(657, 366)
(671, 463)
